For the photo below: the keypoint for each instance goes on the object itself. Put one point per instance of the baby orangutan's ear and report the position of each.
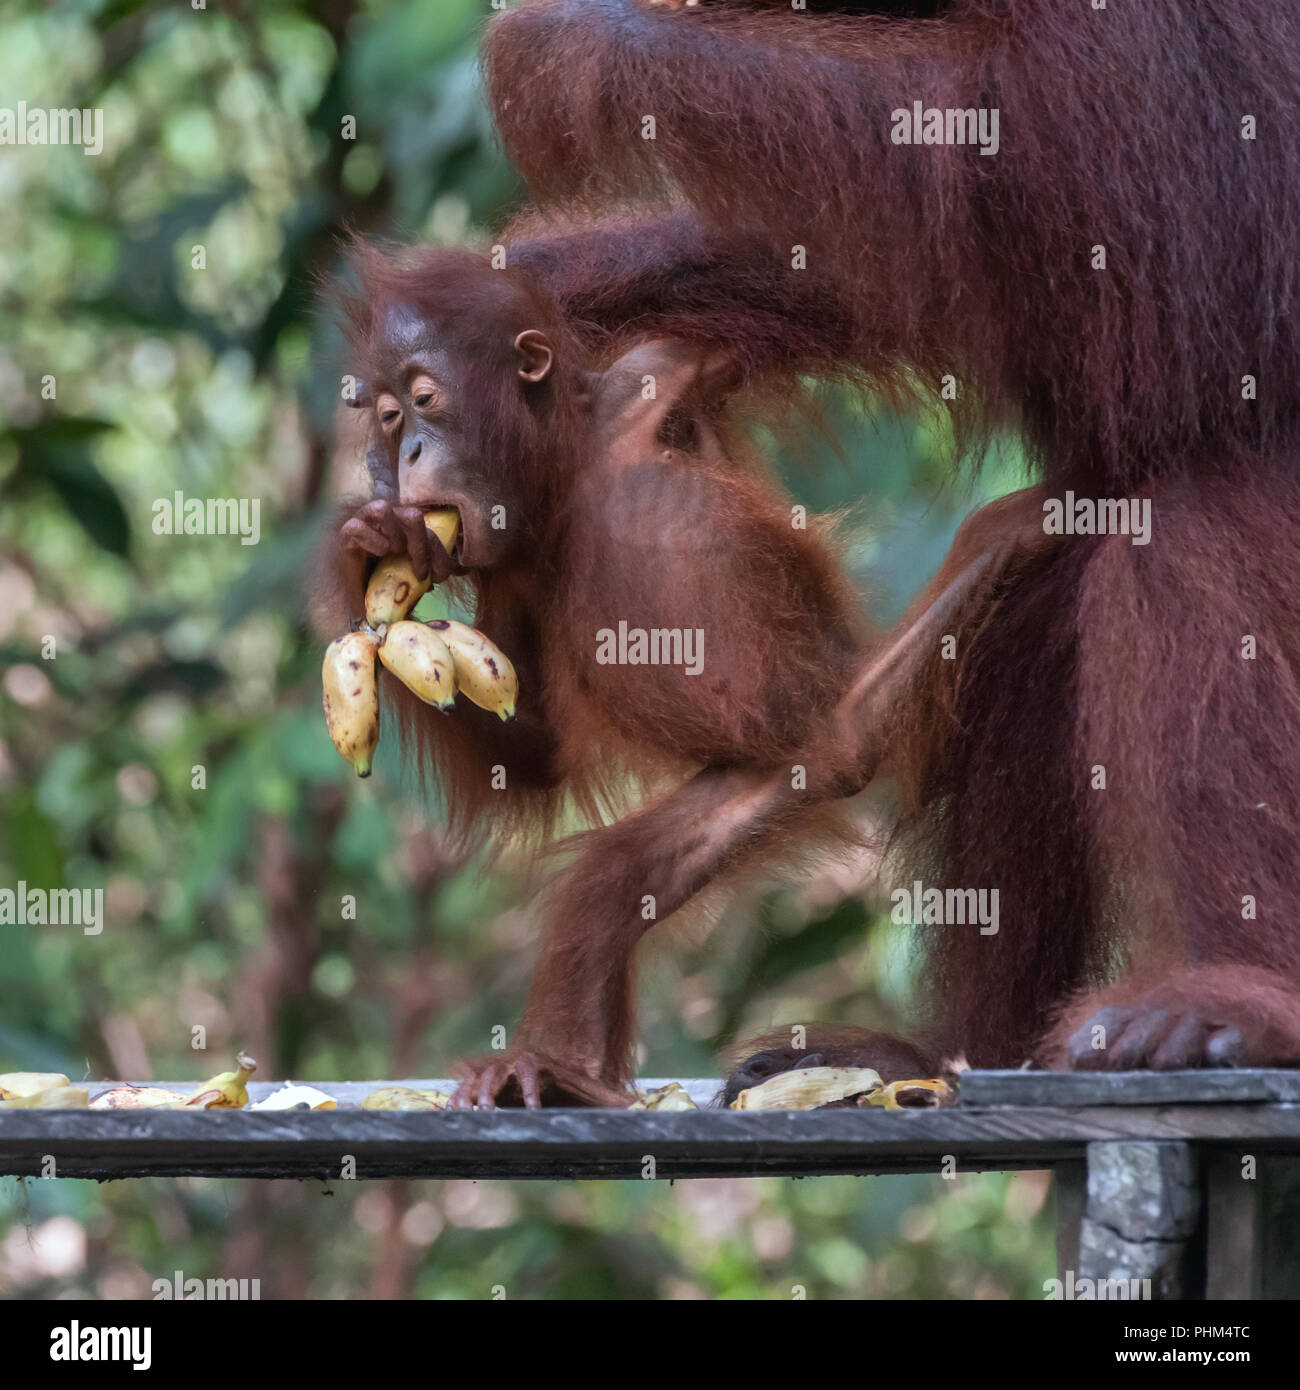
(536, 355)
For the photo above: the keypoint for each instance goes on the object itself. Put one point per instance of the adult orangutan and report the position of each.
(1116, 282)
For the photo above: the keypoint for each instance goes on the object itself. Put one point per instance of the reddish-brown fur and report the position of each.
(651, 513)
(1119, 128)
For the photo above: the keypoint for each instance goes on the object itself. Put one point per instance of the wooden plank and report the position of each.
(606, 1143)
(1074, 1089)
(1019, 1089)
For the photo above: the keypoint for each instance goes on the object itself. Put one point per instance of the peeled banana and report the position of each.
(483, 671)
(419, 658)
(444, 522)
(352, 697)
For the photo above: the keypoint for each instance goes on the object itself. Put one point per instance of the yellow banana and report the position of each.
(420, 660)
(352, 698)
(483, 671)
(393, 591)
(444, 522)
(228, 1090)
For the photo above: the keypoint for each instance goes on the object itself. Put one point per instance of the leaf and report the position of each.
(56, 452)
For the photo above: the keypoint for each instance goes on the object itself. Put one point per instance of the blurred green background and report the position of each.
(129, 659)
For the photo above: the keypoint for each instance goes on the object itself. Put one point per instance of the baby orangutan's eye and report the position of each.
(389, 410)
(425, 392)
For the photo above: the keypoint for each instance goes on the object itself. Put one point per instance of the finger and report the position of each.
(1081, 1053)
(487, 1089)
(1227, 1048)
(358, 535)
(1183, 1047)
(355, 566)
(377, 516)
(1139, 1039)
(415, 535)
(527, 1075)
(391, 524)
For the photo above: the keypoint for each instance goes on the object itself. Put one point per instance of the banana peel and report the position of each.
(909, 1095)
(228, 1090)
(290, 1097)
(14, 1085)
(130, 1097)
(52, 1098)
(406, 1098)
(807, 1088)
(674, 1096)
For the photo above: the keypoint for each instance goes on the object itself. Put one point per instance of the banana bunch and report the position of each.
(434, 660)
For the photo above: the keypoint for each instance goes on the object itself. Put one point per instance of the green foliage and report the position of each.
(160, 729)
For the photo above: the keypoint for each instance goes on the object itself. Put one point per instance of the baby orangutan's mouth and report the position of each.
(445, 520)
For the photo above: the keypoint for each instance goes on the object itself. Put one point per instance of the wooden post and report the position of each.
(1070, 1184)
(1253, 1225)
(1141, 1216)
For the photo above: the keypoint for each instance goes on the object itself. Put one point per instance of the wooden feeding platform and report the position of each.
(1189, 1179)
